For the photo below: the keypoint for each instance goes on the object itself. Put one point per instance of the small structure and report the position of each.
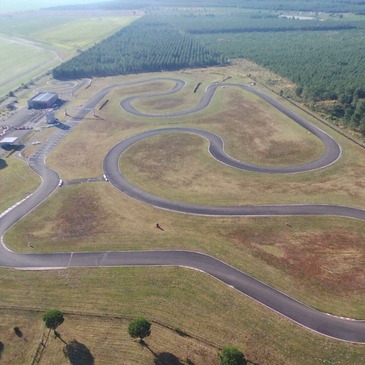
(8, 141)
(11, 106)
(42, 101)
(51, 119)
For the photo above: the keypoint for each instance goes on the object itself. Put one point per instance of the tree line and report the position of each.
(140, 47)
(325, 59)
(211, 23)
(343, 6)
(328, 67)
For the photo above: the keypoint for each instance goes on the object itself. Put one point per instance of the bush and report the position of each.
(53, 318)
(230, 355)
(139, 328)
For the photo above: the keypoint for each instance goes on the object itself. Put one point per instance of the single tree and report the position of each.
(230, 355)
(53, 318)
(139, 328)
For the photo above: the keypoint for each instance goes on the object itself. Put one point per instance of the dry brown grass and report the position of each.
(183, 100)
(99, 338)
(331, 258)
(319, 261)
(197, 304)
(187, 172)
(277, 140)
(259, 134)
(18, 350)
(178, 166)
(244, 67)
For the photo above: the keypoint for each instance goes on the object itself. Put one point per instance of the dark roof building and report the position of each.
(42, 101)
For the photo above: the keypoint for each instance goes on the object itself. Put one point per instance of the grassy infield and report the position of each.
(319, 261)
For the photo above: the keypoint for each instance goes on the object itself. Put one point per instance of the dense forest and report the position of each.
(203, 22)
(335, 6)
(142, 47)
(327, 65)
(323, 53)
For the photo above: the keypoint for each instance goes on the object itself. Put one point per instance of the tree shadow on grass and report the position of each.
(166, 358)
(3, 164)
(78, 353)
(162, 358)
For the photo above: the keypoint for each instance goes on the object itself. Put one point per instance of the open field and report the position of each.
(178, 298)
(16, 182)
(82, 33)
(205, 180)
(34, 42)
(95, 217)
(223, 117)
(240, 121)
(22, 62)
(311, 260)
(319, 261)
(101, 338)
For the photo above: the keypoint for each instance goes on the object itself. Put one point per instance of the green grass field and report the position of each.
(21, 62)
(81, 33)
(16, 182)
(34, 42)
(319, 261)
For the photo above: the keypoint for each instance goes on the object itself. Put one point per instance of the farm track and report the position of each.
(339, 328)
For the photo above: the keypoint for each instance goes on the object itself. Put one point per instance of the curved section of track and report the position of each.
(339, 328)
(115, 176)
(335, 327)
(331, 153)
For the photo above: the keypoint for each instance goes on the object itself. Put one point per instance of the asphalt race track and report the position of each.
(339, 328)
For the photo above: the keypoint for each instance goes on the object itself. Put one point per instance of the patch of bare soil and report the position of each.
(333, 259)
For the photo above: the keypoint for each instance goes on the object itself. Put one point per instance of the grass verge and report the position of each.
(16, 182)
